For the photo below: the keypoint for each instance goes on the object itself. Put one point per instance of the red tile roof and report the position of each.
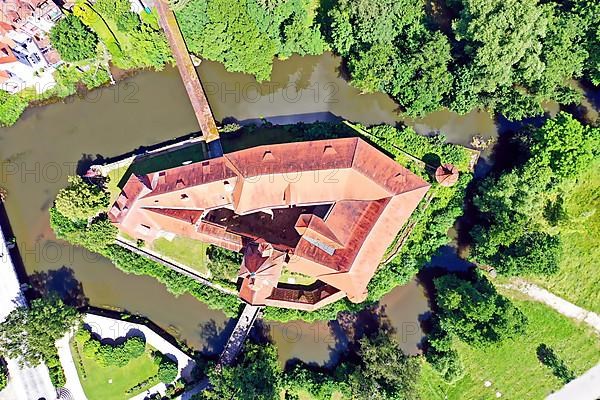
(372, 197)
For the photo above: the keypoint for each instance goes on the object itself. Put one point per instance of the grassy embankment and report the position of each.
(578, 279)
(512, 366)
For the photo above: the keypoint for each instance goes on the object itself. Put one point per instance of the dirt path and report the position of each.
(559, 304)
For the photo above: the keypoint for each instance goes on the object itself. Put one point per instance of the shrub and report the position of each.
(11, 108)
(57, 374)
(73, 40)
(167, 369)
(80, 200)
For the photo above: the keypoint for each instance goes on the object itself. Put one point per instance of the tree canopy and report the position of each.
(256, 376)
(80, 200)
(519, 209)
(73, 40)
(29, 333)
(475, 312)
(384, 371)
(388, 48)
(246, 35)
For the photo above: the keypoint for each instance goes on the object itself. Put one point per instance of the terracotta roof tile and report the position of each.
(372, 198)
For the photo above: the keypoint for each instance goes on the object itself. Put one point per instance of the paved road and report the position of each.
(559, 304)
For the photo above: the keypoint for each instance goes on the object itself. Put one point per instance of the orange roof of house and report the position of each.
(6, 54)
(338, 204)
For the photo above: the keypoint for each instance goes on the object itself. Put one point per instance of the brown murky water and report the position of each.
(47, 144)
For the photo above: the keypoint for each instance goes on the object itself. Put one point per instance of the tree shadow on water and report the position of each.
(215, 337)
(61, 281)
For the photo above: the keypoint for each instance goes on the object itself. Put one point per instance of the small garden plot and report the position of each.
(111, 372)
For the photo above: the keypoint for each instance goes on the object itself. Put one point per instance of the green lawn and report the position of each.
(298, 279)
(186, 251)
(512, 366)
(578, 279)
(111, 383)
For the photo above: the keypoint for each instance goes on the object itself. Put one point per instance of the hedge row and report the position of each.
(109, 355)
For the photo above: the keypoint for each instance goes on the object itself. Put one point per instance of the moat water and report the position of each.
(51, 142)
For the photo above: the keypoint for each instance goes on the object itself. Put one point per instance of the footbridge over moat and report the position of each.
(245, 320)
(191, 81)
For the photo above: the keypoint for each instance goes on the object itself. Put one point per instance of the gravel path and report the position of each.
(559, 304)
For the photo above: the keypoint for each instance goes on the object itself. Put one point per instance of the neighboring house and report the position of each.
(327, 209)
(22, 62)
(34, 17)
(27, 58)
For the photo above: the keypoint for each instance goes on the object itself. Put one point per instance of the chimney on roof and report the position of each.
(268, 156)
(329, 151)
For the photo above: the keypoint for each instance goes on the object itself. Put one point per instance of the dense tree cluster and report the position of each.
(73, 40)
(474, 312)
(29, 334)
(256, 375)
(379, 370)
(506, 56)
(389, 49)
(520, 209)
(133, 40)
(246, 35)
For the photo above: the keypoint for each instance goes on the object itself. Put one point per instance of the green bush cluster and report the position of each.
(442, 355)
(11, 108)
(474, 311)
(57, 373)
(167, 368)
(111, 355)
(520, 211)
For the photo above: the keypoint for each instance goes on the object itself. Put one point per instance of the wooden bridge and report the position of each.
(188, 73)
(239, 335)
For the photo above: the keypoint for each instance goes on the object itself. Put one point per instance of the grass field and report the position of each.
(186, 251)
(512, 366)
(579, 277)
(111, 383)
